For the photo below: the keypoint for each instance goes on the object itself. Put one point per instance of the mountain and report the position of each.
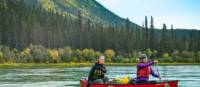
(83, 24)
(89, 9)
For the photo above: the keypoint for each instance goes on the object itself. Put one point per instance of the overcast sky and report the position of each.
(180, 13)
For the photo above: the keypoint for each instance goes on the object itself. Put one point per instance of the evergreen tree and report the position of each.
(152, 35)
(163, 41)
(146, 33)
(21, 25)
(172, 39)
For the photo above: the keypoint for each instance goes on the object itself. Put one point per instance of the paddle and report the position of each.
(158, 72)
(152, 59)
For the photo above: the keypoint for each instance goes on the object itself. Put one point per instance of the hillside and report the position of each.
(84, 24)
(89, 9)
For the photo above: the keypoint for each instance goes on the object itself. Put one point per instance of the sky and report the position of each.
(180, 13)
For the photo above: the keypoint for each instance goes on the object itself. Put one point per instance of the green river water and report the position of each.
(188, 75)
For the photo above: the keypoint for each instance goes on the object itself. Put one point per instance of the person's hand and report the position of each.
(99, 67)
(155, 61)
(159, 78)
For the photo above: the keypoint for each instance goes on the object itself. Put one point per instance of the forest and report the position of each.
(35, 35)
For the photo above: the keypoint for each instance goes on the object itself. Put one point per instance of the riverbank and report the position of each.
(62, 65)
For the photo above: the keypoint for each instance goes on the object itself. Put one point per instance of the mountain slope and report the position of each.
(81, 24)
(89, 9)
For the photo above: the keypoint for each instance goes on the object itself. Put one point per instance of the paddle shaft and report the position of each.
(158, 72)
(152, 58)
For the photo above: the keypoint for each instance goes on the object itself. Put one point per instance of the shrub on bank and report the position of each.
(54, 55)
(1, 57)
(88, 54)
(197, 58)
(40, 54)
(8, 55)
(109, 53)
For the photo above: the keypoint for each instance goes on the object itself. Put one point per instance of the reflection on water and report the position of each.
(188, 76)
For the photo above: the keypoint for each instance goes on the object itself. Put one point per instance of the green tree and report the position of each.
(1, 57)
(163, 41)
(152, 35)
(146, 33)
(148, 52)
(109, 53)
(172, 39)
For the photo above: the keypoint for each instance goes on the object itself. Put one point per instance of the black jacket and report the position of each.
(97, 72)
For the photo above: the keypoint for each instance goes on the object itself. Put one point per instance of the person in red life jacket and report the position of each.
(144, 70)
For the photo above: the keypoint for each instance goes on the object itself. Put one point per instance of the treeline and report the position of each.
(22, 26)
(40, 54)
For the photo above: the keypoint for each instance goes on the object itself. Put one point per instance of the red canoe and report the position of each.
(83, 83)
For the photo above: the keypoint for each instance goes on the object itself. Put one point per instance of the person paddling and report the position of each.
(97, 72)
(144, 70)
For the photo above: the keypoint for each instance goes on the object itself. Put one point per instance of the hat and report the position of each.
(143, 56)
(101, 57)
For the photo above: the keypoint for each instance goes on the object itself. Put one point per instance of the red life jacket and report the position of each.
(144, 72)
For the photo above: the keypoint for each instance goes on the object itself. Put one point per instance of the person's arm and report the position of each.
(102, 68)
(91, 73)
(145, 65)
(154, 74)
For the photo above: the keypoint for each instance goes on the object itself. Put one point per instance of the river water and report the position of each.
(188, 75)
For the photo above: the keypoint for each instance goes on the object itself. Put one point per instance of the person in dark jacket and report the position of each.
(97, 72)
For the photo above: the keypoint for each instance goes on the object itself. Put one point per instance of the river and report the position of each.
(188, 75)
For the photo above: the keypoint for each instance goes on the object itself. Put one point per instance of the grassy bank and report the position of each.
(62, 65)
(43, 65)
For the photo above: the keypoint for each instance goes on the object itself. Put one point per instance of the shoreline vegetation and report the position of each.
(68, 65)
(37, 36)
(38, 56)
